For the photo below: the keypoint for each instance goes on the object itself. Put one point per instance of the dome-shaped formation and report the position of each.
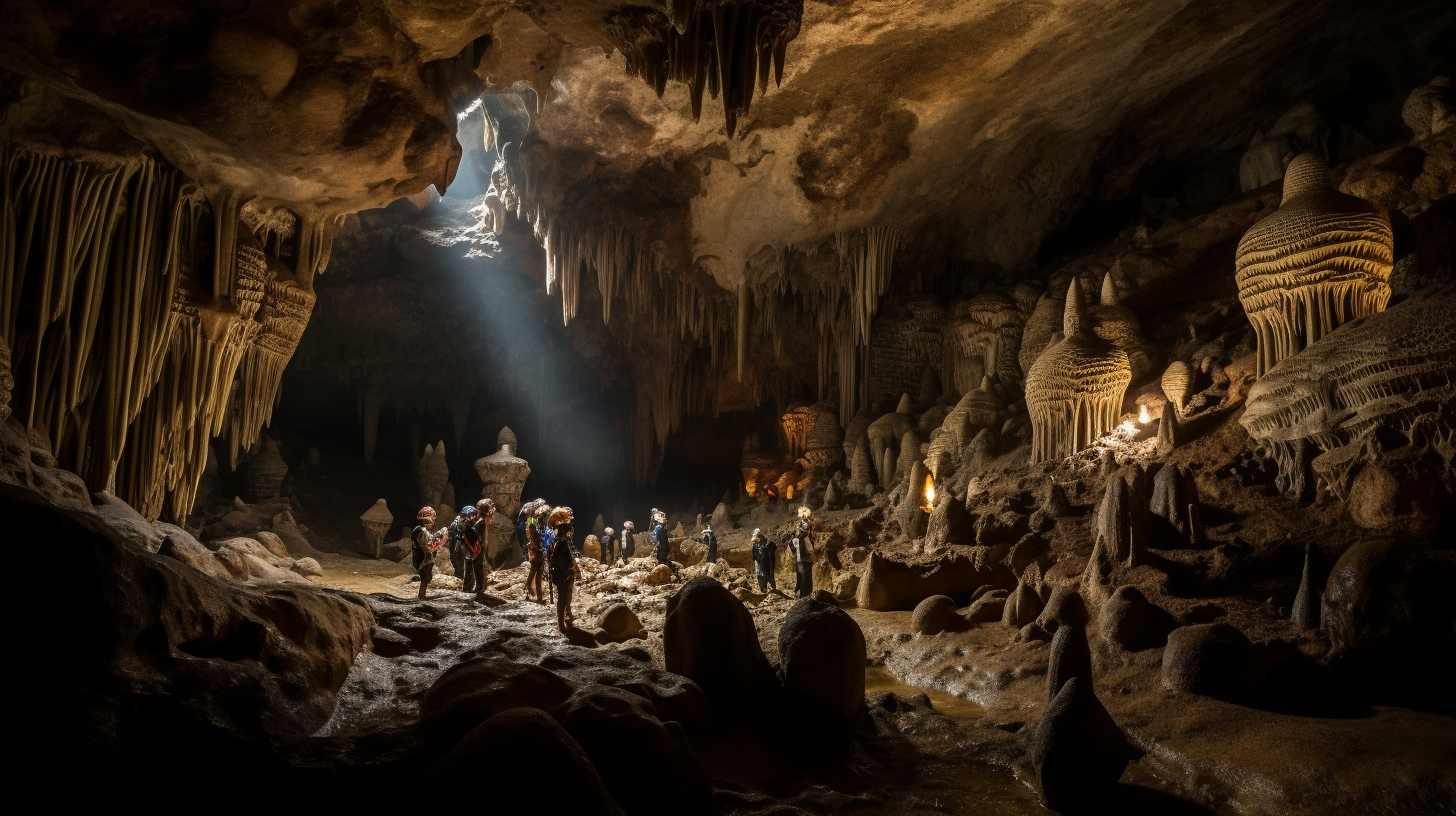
(1177, 378)
(507, 437)
(823, 443)
(1323, 259)
(1041, 326)
(1116, 324)
(1074, 390)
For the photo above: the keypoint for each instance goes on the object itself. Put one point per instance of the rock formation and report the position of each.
(986, 330)
(1323, 259)
(376, 521)
(1177, 378)
(434, 474)
(503, 478)
(1074, 390)
(1392, 370)
(265, 471)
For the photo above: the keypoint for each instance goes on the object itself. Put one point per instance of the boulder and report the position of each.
(936, 614)
(708, 637)
(845, 585)
(1078, 751)
(308, 567)
(658, 576)
(162, 654)
(272, 543)
(127, 522)
(621, 733)
(1210, 659)
(181, 546)
(540, 754)
(1388, 608)
(822, 655)
(1064, 607)
(888, 584)
(1132, 622)
(619, 623)
(988, 608)
(477, 689)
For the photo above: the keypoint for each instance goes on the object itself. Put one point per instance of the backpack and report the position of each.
(561, 558)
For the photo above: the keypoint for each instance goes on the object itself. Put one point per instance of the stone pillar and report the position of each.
(503, 475)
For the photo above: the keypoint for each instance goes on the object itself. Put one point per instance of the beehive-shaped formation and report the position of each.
(376, 521)
(1041, 325)
(823, 443)
(1177, 378)
(1074, 390)
(1323, 259)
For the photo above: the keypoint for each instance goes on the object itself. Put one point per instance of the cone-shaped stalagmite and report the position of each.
(862, 472)
(434, 474)
(1305, 612)
(1323, 259)
(1075, 388)
(1168, 429)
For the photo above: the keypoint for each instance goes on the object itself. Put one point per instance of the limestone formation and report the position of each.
(854, 434)
(885, 433)
(1430, 109)
(1074, 390)
(987, 333)
(862, 472)
(1115, 323)
(7, 381)
(1315, 412)
(376, 521)
(909, 454)
(1305, 609)
(507, 438)
(265, 472)
(434, 474)
(1044, 322)
(1177, 379)
(1169, 430)
(503, 477)
(823, 440)
(936, 614)
(722, 521)
(1022, 606)
(1323, 259)
(1175, 502)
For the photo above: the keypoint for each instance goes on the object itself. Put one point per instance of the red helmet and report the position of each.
(425, 512)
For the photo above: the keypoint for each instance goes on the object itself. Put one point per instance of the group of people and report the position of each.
(468, 540)
(547, 537)
(765, 557)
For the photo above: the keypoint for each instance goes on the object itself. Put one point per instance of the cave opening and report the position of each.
(830, 406)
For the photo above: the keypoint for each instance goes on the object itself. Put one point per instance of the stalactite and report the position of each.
(283, 315)
(741, 328)
(721, 46)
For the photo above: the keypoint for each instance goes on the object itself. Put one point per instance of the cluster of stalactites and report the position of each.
(1075, 389)
(1322, 260)
(725, 47)
(130, 305)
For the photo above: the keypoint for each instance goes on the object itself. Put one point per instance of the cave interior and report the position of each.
(962, 407)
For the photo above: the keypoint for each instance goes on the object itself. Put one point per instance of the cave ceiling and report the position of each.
(995, 120)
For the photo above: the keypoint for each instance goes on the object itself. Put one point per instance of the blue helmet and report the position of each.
(468, 510)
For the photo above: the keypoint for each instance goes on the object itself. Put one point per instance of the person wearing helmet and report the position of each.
(477, 569)
(609, 546)
(659, 537)
(710, 540)
(561, 555)
(424, 543)
(473, 552)
(763, 561)
(629, 546)
(803, 557)
(535, 513)
(456, 531)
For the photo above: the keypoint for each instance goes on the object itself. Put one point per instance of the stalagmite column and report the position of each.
(434, 474)
(376, 521)
(1176, 380)
(503, 475)
(1323, 259)
(1074, 390)
(265, 471)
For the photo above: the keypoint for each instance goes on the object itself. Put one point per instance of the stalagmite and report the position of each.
(1323, 259)
(909, 453)
(1174, 492)
(1168, 430)
(823, 443)
(1074, 390)
(1115, 323)
(376, 522)
(887, 469)
(1305, 609)
(503, 476)
(862, 472)
(1177, 379)
(434, 474)
(265, 472)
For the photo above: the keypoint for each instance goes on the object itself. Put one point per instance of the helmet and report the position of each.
(425, 512)
(485, 506)
(805, 512)
(756, 533)
(468, 511)
(659, 516)
(561, 515)
(627, 525)
(609, 531)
